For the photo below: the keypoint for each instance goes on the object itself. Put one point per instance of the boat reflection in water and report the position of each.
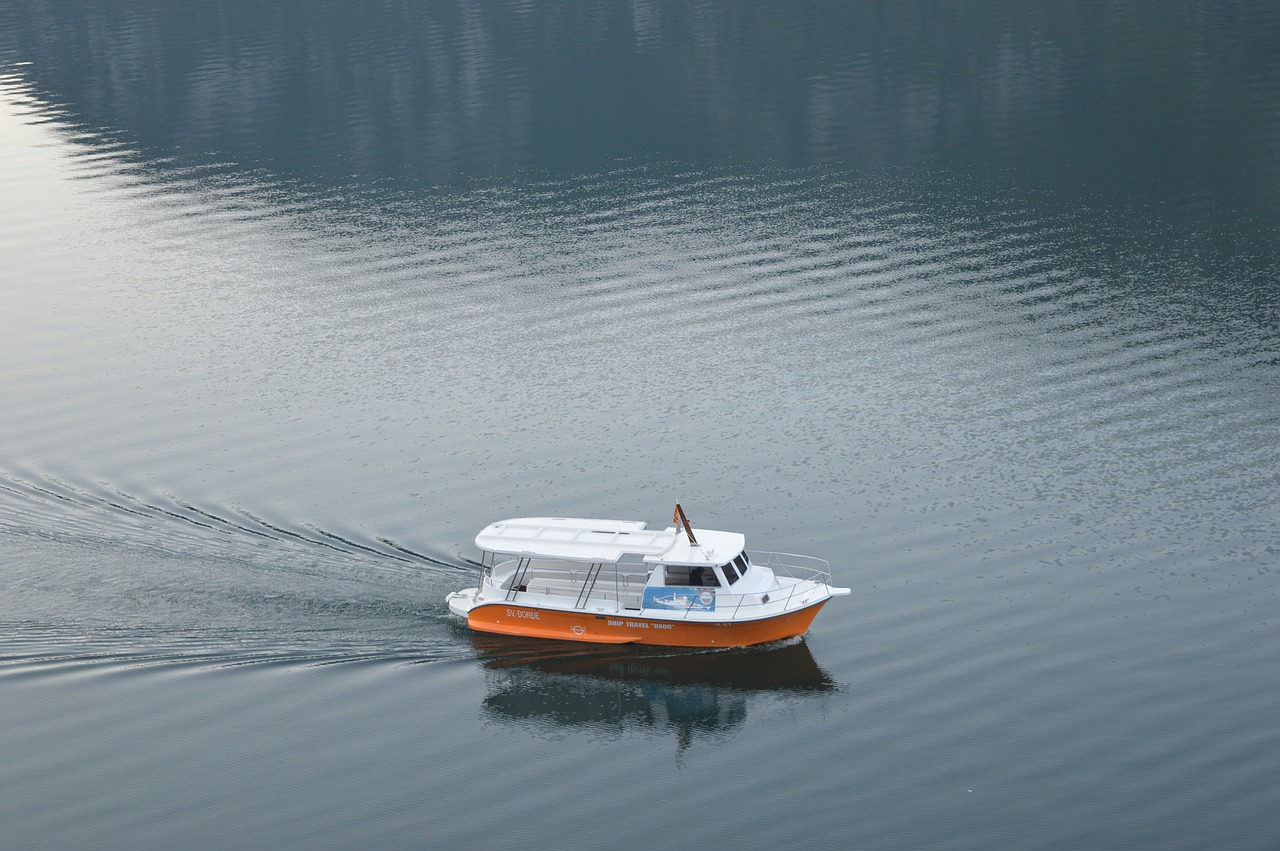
(549, 686)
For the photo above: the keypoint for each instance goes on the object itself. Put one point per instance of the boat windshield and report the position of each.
(735, 569)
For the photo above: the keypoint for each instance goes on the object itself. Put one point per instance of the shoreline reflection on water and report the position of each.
(551, 688)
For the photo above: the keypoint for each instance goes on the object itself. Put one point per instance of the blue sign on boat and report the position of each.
(680, 599)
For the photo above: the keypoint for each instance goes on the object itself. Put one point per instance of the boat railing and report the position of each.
(810, 568)
(587, 585)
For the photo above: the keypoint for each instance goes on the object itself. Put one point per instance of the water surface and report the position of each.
(978, 303)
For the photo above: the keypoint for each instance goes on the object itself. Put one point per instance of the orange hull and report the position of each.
(509, 619)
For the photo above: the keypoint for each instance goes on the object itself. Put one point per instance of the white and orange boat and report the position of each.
(616, 582)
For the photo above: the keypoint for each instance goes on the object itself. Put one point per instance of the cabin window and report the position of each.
(680, 575)
(736, 569)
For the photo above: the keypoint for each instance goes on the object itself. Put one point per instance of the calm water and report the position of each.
(981, 302)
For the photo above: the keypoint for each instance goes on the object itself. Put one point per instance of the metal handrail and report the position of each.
(790, 565)
(794, 565)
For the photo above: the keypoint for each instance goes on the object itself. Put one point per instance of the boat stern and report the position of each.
(462, 602)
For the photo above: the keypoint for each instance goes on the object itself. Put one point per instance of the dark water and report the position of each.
(981, 302)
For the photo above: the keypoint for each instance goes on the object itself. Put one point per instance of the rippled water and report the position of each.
(981, 305)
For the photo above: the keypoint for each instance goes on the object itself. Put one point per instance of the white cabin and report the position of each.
(637, 556)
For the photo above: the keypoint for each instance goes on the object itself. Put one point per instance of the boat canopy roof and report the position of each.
(606, 541)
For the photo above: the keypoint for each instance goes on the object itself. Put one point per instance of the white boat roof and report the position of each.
(583, 539)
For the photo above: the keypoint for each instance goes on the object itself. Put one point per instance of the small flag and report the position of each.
(681, 520)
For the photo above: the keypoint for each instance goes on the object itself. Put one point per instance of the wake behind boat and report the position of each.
(617, 582)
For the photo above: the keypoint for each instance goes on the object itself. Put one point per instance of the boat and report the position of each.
(619, 582)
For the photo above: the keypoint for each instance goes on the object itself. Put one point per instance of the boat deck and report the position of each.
(566, 584)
